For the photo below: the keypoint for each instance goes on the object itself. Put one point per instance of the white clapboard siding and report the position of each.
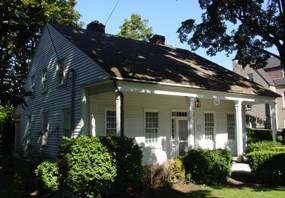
(134, 106)
(51, 48)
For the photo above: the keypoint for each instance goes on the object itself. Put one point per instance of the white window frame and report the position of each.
(214, 126)
(44, 79)
(231, 127)
(60, 72)
(153, 137)
(107, 124)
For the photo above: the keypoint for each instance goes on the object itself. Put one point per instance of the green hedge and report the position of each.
(254, 135)
(93, 166)
(268, 166)
(262, 146)
(86, 166)
(127, 157)
(208, 166)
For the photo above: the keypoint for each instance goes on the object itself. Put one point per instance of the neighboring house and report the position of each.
(271, 77)
(168, 99)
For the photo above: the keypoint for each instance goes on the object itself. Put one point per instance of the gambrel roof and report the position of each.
(140, 61)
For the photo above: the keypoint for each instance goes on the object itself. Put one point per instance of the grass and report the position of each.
(17, 180)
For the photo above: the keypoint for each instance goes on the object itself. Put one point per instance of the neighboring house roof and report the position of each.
(272, 62)
(134, 60)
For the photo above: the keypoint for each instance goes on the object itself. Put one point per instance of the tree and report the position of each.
(21, 22)
(135, 28)
(259, 25)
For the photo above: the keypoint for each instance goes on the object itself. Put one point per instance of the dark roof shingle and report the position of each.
(140, 60)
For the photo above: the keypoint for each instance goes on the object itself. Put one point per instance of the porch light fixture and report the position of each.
(197, 103)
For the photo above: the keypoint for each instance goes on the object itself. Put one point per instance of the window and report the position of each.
(248, 107)
(250, 76)
(33, 82)
(209, 126)
(231, 126)
(67, 122)
(151, 127)
(60, 71)
(45, 122)
(111, 125)
(44, 80)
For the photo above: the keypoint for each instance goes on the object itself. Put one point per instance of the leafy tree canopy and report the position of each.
(135, 28)
(258, 25)
(21, 22)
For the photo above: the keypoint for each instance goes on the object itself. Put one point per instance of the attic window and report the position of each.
(60, 71)
(44, 80)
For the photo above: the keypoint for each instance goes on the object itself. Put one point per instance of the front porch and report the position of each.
(165, 121)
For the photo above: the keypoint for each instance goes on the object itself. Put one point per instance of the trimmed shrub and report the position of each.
(208, 166)
(127, 158)
(86, 166)
(48, 175)
(268, 166)
(171, 171)
(254, 135)
(262, 146)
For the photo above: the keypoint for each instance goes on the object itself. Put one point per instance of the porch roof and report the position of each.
(124, 58)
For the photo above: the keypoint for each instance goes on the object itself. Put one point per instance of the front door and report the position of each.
(183, 136)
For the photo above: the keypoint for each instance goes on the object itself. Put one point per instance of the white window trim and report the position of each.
(214, 129)
(44, 79)
(58, 71)
(157, 143)
(234, 125)
(105, 118)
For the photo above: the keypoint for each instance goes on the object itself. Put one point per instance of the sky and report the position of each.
(164, 16)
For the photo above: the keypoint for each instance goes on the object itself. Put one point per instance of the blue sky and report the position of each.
(165, 17)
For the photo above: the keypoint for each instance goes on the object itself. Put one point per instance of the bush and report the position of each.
(262, 146)
(254, 135)
(86, 166)
(208, 166)
(127, 157)
(48, 175)
(171, 171)
(268, 166)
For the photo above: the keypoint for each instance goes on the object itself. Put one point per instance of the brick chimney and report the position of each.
(157, 39)
(96, 26)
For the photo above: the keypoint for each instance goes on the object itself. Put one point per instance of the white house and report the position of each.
(86, 82)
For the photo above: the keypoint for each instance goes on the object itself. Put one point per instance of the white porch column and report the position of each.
(273, 115)
(239, 128)
(118, 113)
(190, 123)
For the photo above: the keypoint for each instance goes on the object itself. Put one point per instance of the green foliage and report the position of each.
(135, 28)
(127, 157)
(86, 167)
(268, 166)
(254, 135)
(255, 25)
(208, 166)
(160, 175)
(48, 175)
(262, 146)
(21, 23)
(7, 131)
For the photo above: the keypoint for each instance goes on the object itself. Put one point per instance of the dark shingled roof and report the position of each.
(140, 60)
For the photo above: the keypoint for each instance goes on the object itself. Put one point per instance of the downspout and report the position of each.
(121, 96)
